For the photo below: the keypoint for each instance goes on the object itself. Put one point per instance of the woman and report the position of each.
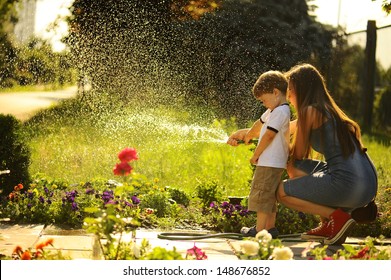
(345, 180)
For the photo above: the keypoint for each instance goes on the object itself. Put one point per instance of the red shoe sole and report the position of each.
(312, 237)
(340, 237)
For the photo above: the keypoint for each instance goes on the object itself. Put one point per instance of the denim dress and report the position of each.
(337, 182)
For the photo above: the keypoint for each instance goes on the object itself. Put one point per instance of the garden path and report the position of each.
(24, 105)
(77, 244)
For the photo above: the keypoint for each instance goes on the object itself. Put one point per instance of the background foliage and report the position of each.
(131, 48)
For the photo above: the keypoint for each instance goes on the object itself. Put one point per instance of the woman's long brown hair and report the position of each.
(310, 88)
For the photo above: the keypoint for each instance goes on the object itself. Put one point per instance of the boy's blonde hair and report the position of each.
(269, 81)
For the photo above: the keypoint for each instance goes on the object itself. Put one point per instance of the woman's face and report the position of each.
(291, 95)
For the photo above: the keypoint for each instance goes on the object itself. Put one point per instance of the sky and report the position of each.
(352, 15)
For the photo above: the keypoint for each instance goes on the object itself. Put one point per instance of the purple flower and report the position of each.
(127, 203)
(227, 212)
(113, 202)
(135, 199)
(90, 191)
(75, 207)
(225, 204)
(243, 212)
(238, 207)
(107, 195)
(30, 194)
(70, 196)
(41, 199)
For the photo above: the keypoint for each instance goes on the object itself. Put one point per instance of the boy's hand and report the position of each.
(237, 136)
(254, 160)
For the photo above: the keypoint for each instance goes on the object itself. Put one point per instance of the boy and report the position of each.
(271, 154)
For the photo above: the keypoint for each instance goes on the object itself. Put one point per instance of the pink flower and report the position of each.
(196, 253)
(128, 154)
(122, 169)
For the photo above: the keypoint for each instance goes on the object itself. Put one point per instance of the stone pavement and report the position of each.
(77, 244)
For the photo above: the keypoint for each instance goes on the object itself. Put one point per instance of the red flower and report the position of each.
(11, 196)
(18, 250)
(128, 154)
(362, 253)
(49, 242)
(40, 246)
(26, 255)
(122, 169)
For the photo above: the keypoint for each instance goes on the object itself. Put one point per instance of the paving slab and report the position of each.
(18, 235)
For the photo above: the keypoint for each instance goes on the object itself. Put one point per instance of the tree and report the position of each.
(386, 5)
(7, 51)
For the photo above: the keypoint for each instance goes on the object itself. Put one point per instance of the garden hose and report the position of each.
(251, 141)
(229, 235)
(195, 236)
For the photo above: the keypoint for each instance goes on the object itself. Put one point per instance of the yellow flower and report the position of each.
(249, 248)
(284, 253)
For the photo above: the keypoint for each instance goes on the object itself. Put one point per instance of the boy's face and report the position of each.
(269, 100)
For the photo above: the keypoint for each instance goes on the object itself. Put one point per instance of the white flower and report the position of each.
(249, 248)
(136, 250)
(388, 252)
(264, 236)
(284, 253)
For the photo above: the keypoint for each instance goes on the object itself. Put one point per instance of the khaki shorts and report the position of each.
(263, 189)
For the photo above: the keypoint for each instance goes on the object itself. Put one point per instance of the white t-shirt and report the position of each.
(276, 154)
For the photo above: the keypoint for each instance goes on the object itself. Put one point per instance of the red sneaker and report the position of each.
(339, 225)
(319, 233)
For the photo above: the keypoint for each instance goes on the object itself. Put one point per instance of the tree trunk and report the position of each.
(370, 67)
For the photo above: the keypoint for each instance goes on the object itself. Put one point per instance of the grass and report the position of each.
(172, 147)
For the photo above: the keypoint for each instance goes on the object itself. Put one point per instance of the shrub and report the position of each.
(208, 192)
(291, 221)
(228, 217)
(179, 196)
(157, 200)
(14, 154)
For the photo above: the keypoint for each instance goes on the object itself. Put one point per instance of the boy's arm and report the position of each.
(254, 131)
(266, 139)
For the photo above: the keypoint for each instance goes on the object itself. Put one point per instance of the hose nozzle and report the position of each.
(251, 141)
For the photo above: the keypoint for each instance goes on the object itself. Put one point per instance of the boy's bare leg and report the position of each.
(271, 221)
(262, 220)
